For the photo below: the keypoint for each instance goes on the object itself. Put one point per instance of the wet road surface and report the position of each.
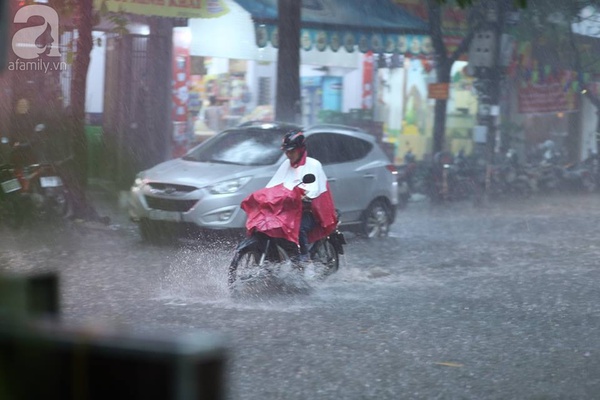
(498, 302)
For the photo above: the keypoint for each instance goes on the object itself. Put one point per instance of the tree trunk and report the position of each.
(439, 127)
(287, 102)
(77, 174)
(443, 66)
(78, 88)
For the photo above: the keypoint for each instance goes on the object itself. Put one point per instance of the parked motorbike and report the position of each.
(510, 179)
(405, 189)
(265, 253)
(578, 177)
(406, 179)
(42, 187)
(547, 176)
(454, 181)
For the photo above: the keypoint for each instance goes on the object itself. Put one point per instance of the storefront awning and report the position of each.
(165, 8)
(373, 25)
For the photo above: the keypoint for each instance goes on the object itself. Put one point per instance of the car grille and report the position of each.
(158, 203)
(166, 186)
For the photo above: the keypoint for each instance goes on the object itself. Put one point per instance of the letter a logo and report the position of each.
(24, 41)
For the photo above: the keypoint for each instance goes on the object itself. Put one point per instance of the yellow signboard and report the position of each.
(166, 8)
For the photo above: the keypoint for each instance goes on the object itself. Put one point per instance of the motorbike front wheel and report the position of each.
(243, 261)
(325, 258)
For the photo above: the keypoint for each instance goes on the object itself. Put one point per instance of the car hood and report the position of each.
(200, 174)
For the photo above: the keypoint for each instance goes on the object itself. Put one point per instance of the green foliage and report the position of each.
(120, 22)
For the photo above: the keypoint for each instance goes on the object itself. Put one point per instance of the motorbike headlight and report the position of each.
(230, 186)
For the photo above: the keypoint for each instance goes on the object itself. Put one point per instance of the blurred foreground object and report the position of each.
(48, 360)
(29, 296)
(4, 21)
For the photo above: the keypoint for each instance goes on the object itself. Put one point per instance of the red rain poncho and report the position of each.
(277, 209)
(274, 211)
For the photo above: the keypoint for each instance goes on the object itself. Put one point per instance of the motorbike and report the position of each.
(509, 178)
(406, 179)
(267, 251)
(42, 188)
(578, 177)
(11, 212)
(454, 180)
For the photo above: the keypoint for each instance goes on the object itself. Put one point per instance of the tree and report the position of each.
(444, 62)
(287, 107)
(476, 18)
(577, 51)
(84, 18)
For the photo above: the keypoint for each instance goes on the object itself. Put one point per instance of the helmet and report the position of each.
(293, 140)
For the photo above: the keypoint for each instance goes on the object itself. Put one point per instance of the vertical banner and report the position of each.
(367, 87)
(180, 90)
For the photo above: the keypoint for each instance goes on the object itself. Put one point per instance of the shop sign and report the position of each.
(438, 91)
(545, 92)
(166, 8)
(547, 98)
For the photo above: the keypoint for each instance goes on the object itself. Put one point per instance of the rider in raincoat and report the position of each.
(318, 212)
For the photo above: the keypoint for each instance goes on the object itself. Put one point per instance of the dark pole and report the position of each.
(287, 107)
(489, 75)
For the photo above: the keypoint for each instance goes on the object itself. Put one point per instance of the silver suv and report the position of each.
(204, 188)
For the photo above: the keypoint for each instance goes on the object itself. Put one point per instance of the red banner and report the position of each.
(546, 98)
(180, 94)
(367, 92)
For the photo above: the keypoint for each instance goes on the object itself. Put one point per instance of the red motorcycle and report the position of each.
(42, 187)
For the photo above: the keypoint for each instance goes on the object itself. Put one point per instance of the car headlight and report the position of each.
(140, 180)
(230, 186)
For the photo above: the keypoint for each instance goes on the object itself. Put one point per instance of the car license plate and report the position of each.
(161, 215)
(11, 186)
(50, 181)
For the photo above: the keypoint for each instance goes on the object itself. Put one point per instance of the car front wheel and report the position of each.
(376, 220)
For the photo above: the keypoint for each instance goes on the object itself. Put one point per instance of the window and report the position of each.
(241, 147)
(332, 148)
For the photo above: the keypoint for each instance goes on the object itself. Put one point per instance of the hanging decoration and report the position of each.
(363, 41)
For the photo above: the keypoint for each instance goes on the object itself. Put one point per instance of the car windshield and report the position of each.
(242, 147)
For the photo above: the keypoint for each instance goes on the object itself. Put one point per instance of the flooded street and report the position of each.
(497, 302)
